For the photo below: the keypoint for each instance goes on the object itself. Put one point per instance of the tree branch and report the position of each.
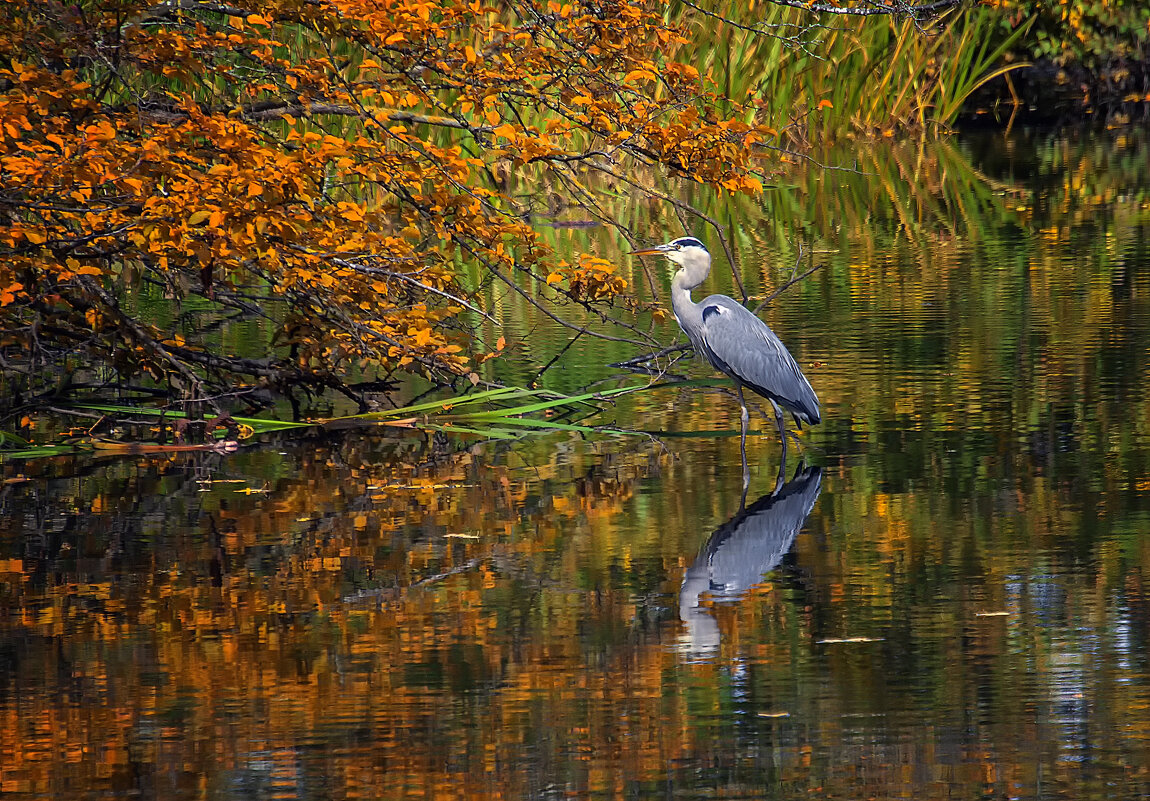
(895, 9)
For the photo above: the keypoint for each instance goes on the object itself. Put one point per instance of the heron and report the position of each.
(736, 342)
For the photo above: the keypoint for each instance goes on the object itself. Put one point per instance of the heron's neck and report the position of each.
(688, 314)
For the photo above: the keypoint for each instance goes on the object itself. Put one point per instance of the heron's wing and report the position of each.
(741, 551)
(755, 541)
(752, 543)
(743, 346)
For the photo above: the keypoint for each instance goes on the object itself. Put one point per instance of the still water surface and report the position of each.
(948, 599)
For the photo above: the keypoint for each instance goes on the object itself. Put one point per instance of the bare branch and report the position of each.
(895, 9)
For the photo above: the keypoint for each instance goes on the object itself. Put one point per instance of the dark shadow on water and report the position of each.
(740, 552)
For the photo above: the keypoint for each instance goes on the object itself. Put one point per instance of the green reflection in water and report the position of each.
(963, 613)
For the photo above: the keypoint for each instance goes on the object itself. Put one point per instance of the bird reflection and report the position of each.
(741, 551)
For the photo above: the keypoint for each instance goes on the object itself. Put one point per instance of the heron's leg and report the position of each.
(783, 433)
(782, 477)
(779, 422)
(746, 417)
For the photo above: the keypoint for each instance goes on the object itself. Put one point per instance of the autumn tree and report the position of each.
(324, 165)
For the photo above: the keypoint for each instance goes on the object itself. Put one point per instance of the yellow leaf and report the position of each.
(506, 130)
(638, 75)
(469, 54)
(554, 278)
(254, 189)
(395, 37)
(198, 217)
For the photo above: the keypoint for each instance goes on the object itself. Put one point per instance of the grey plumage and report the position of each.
(741, 345)
(742, 550)
(736, 342)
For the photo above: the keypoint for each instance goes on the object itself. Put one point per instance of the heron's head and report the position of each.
(684, 251)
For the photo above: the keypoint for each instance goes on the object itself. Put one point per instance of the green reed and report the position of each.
(818, 77)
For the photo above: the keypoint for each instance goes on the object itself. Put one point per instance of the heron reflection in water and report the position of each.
(741, 551)
(736, 342)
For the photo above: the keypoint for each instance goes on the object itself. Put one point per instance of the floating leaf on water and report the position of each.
(838, 640)
(253, 490)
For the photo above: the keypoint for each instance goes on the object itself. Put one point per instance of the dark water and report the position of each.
(955, 601)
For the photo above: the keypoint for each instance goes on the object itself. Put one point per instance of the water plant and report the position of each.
(818, 77)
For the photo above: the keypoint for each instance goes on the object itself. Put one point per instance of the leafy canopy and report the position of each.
(329, 166)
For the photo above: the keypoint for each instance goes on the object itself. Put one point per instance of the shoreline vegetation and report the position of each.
(228, 210)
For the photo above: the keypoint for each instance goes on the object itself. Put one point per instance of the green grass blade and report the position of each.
(563, 400)
(501, 393)
(492, 433)
(260, 424)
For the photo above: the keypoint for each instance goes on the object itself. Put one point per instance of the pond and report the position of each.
(948, 598)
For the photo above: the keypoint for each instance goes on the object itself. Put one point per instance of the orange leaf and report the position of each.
(638, 75)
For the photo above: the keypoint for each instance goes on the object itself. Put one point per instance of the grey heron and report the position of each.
(736, 342)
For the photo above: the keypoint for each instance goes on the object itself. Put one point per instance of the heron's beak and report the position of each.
(654, 250)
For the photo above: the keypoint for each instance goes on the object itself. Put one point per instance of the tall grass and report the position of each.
(816, 78)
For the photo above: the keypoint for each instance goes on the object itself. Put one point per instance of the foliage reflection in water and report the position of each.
(963, 613)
